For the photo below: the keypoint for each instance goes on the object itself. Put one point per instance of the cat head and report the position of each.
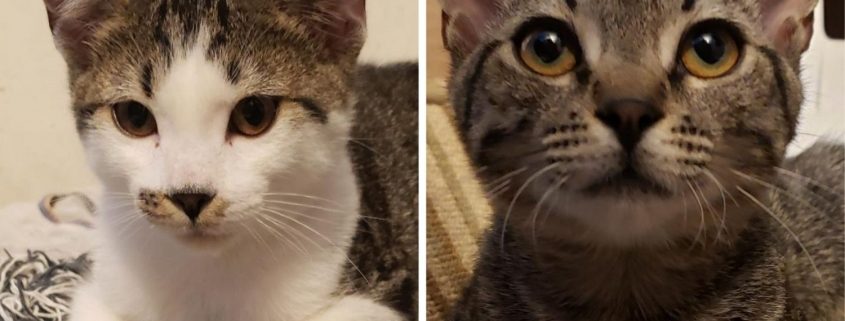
(199, 112)
(628, 121)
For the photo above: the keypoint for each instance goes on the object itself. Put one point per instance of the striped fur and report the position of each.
(703, 239)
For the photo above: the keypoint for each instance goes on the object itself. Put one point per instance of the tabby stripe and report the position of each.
(572, 4)
(223, 14)
(313, 109)
(233, 71)
(147, 80)
(159, 33)
(762, 140)
(782, 90)
(688, 5)
(472, 82)
(83, 115)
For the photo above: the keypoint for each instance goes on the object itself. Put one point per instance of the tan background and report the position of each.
(39, 149)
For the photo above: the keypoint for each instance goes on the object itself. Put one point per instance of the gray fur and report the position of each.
(384, 151)
(726, 136)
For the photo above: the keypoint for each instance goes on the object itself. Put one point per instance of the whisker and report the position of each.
(807, 180)
(496, 190)
(701, 208)
(722, 223)
(507, 176)
(783, 191)
(292, 229)
(300, 214)
(339, 211)
(539, 205)
(710, 209)
(516, 197)
(788, 230)
(278, 232)
(311, 197)
(309, 228)
(259, 239)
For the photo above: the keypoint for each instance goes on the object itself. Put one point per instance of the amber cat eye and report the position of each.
(547, 53)
(134, 119)
(547, 47)
(709, 52)
(253, 115)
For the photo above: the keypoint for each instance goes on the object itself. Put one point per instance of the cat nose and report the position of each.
(191, 203)
(629, 118)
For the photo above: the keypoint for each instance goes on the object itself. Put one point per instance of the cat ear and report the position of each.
(788, 24)
(339, 24)
(73, 23)
(465, 22)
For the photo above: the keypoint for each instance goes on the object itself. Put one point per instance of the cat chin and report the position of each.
(625, 221)
(204, 242)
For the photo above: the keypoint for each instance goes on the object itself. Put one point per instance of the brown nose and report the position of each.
(629, 118)
(191, 203)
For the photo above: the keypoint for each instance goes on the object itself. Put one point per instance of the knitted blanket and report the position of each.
(38, 288)
(458, 214)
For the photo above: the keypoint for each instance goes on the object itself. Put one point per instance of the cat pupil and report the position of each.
(253, 113)
(709, 48)
(138, 115)
(547, 46)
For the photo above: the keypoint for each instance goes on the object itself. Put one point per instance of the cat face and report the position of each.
(627, 119)
(197, 115)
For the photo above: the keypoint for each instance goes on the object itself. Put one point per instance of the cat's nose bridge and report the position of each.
(189, 162)
(621, 80)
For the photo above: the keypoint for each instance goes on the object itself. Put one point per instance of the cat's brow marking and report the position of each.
(159, 33)
(233, 72)
(473, 80)
(688, 5)
(771, 55)
(313, 109)
(572, 4)
(147, 80)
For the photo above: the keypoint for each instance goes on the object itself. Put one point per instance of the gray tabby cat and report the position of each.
(252, 170)
(634, 151)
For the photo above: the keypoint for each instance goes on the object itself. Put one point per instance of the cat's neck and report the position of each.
(590, 282)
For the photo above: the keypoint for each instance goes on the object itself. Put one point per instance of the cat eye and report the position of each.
(547, 47)
(134, 119)
(710, 51)
(253, 115)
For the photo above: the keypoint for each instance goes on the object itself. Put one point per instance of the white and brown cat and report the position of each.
(220, 130)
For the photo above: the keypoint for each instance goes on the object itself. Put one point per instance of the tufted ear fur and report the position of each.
(788, 24)
(73, 24)
(465, 22)
(339, 24)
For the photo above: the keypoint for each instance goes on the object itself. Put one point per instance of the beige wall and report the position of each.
(39, 149)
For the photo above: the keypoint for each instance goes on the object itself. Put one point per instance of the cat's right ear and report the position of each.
(465, 23)
(73, 23)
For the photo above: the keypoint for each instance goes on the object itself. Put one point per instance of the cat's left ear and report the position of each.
(339, 24)
(73, 24)
(788, 24)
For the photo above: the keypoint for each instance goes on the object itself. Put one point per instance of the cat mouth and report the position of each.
(628, 182)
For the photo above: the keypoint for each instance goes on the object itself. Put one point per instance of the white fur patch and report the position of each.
(292, 211)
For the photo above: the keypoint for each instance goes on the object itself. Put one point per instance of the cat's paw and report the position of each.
(87, 306)
(357, 308)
